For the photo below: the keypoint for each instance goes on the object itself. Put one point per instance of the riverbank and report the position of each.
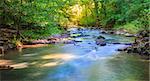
(7, 35)
(141, 44)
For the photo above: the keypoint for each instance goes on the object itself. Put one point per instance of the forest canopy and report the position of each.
(47, 17)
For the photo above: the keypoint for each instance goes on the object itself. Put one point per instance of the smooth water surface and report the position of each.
(83, 61)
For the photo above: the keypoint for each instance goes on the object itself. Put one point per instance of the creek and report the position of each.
(82, 61)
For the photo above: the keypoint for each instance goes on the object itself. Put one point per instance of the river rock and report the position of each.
(116, 43)
(44, 41)
(78, 39)
(121, 49)
(111, 32)
(100, 37)
(141, 44)
(104, 32)
(68, 42)
(100, 41)
(128, 43)
(129, 35)
(75, 35)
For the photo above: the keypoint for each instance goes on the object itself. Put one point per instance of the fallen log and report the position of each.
(5, 67)
(32, 46)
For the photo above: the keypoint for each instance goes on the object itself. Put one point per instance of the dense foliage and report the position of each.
(47, 17)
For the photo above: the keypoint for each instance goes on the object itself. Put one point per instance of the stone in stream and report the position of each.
(111, 32)
(104, 32)
(1, 43)
(100, 41)
(75, 35)
(44, 41)
(102, 44)
(89, 43)
(129, 35)
(116, 43)
(68, 42)
(141, 44)
(121, 49)
(122, 43)
(128, 43)
(78, 40)
(53, 40)
(11, 46)
(100, 37)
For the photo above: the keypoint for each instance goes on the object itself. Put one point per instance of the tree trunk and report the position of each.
(103, 8)
(96, 11)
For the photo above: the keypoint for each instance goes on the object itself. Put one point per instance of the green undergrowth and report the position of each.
(131, 27)
(42, 33)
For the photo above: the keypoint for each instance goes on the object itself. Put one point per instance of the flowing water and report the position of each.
(83, 61)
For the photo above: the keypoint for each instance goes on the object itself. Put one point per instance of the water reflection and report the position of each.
(59, 56)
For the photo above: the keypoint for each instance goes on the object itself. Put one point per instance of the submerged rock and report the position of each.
(116, 43)
(104, 32)
(100, 37)
(121, 49)
(128, 43)
(78, 40)
(74, 35)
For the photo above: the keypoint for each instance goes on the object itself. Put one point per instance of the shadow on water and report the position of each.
(80, 62)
